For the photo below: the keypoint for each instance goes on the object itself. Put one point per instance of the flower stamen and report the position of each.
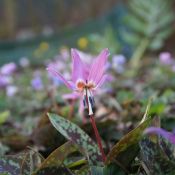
(88, 100)
(80, 85)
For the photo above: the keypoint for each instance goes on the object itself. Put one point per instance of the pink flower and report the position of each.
(85, 79)
(170, 136)
(5, 80)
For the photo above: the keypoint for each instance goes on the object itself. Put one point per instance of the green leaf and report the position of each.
(72, 132)
(135, 24)
(150, 19)
(129, 140)
(130, 37)
(129, 143)
(156, 44)
(56, 158)
(124, 96)
(157, 108)
(4, 116)
(77, 163)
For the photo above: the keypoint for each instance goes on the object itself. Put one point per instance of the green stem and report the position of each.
(135, 59)
(77, 163)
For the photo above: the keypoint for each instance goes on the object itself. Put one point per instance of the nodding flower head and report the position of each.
(85, 78)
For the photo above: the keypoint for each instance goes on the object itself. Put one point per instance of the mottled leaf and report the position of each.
(95, 170)
(156, 159)
(56, 158)
(111, 169)
(167, 148)
(54, 171)
(20, 164)
(72, 132)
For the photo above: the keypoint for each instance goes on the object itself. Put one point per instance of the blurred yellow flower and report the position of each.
(44, 46)
(82, 43)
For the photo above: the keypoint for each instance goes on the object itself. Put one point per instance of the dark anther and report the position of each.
(91, 101)
(84, 102)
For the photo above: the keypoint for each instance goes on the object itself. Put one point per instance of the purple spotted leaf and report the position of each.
(74, 133)
(157, 160)
(20, 164)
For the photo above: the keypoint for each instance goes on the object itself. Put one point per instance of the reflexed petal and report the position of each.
(98, 67)
(168, 135)
(60, 77)
(79, 70)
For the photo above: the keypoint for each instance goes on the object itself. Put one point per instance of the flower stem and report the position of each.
(98, 138)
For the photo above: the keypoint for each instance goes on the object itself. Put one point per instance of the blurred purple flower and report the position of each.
(37, 83)
(58, 64)
(119, 59)
(108, 66)
(170, 136)
(64, 53)
(85, 79)
(8, 69)
(5, 80)
(11, 90)
(55, 81)
(118, 62)
(24, 62)
(165, 58)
